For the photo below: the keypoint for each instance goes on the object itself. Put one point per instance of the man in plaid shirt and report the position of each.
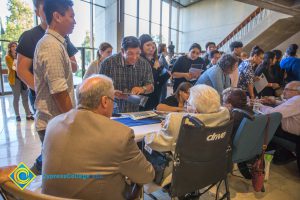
(129, 72)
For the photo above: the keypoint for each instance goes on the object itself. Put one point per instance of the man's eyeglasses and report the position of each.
(112, 99)
(289, 89)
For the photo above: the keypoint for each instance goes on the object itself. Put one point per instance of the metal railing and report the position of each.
(243, 28)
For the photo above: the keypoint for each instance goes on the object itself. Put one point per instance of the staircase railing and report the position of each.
(243, 28)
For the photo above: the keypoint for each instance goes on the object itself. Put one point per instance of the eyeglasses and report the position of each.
(289, 89)
(111, 99)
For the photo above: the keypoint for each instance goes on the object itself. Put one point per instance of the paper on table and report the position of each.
(261, 83)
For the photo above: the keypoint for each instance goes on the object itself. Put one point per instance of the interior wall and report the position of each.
(295, 39)
(210, 20)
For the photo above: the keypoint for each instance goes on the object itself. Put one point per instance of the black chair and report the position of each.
(202, 157)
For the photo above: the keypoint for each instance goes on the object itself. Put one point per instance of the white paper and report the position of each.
(261, 83)
(196, 72)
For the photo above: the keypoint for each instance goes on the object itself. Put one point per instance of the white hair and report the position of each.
(90, 91)
(295, 85)
(204, 98)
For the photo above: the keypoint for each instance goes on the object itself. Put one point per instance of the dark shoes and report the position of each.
(283, 156)
(18, 118)
(245, 170)
(29, 117)
(35, 170)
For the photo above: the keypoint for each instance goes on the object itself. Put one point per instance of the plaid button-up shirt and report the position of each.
(126, 77)
(52, 74)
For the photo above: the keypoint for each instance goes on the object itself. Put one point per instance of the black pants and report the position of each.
(292, 138)
(39, 159)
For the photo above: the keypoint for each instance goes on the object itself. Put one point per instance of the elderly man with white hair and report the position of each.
(204, 104)
(290, 110)
(85, 141)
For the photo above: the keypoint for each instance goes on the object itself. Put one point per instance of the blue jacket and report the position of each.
(215, 77)
(292, 67)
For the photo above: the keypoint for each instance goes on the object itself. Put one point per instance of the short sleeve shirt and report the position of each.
(171, 101)
(52, 74)
(246, 75)
(126, 77)
(29, 39)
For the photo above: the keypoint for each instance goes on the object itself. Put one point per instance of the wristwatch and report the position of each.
(145, 89)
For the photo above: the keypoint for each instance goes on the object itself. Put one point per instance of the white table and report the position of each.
(141, 131)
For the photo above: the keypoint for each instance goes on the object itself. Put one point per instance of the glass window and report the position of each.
(143, 27)
(155, 32)
(165, 22)
(81, 35)
(174, 17)
(129, 25)
(144, 9)
(174, 38)
(155, 11)
(130, 7)
(99, 25)
(82, 16)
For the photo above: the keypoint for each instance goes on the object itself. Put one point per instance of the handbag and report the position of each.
(258, 168)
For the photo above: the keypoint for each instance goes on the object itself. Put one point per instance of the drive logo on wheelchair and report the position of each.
(216, 136)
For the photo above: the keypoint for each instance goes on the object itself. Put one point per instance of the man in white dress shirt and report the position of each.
(290, 110)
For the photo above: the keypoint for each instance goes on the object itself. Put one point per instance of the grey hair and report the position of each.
(295, 85)
(205, 99)
(90, 91)
(227, 62)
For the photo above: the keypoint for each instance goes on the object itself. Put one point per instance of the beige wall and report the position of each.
(210, 20)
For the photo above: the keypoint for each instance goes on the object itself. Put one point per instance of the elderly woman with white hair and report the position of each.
(204, 104)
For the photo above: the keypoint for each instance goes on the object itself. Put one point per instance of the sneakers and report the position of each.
(18, 118)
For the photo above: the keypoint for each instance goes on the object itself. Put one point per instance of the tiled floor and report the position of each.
(20, 143)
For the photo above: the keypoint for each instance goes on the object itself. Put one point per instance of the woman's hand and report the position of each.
(119, 95)
(256, 78)
(275, 86)
(188, 76)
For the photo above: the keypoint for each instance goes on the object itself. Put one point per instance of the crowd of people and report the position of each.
(78, 135)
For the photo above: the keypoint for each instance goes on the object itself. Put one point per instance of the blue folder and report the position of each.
(130, 122)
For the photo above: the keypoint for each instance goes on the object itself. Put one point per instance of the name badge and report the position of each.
(148, 149)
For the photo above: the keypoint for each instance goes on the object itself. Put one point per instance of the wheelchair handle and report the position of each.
(197, 122)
